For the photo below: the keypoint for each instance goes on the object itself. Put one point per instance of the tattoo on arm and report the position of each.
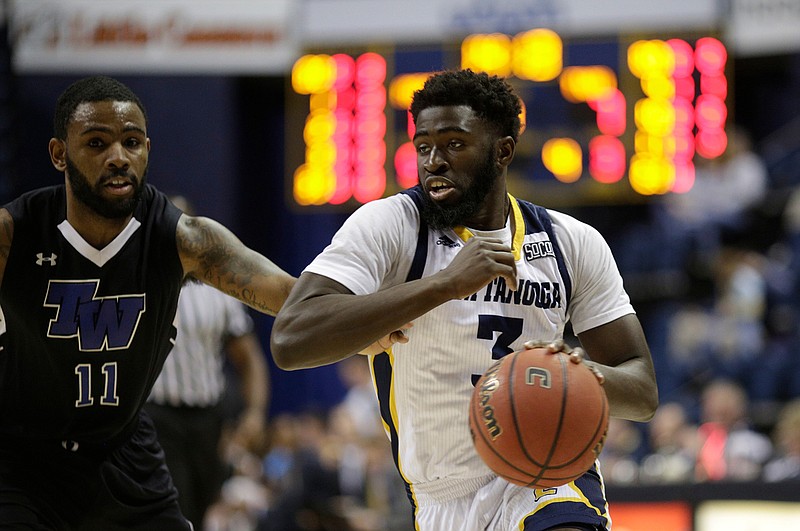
(218, 258)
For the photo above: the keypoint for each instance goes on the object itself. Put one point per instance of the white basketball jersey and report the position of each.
(564, 270)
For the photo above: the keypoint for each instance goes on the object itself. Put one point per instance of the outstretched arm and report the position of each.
(324, 322)
(212, 254)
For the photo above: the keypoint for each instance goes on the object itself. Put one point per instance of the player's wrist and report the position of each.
(254, 411)
(441, 289)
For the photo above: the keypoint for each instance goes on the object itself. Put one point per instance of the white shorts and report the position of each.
(502, 506)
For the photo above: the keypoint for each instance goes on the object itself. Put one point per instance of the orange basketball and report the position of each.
(537, 419)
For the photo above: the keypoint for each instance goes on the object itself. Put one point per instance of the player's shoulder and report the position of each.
(152, 197)
(576, 237)
(42, 207)
(572, 234)
(400, 201)
(155, 209)
(34, 200)
(24, 215)
(561, 221)
(6, 226)
(397, 208)
(567, 222)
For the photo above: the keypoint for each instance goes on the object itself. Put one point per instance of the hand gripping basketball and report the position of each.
(539, 419)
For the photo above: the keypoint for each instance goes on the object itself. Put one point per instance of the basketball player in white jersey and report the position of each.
(464, 273)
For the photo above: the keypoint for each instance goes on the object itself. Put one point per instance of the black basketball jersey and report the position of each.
(84, 331)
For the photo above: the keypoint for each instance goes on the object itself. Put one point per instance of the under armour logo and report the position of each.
(41, 259)
(71, 446)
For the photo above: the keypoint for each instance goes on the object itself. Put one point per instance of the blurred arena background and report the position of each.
(671, 126)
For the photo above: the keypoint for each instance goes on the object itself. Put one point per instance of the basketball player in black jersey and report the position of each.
(90, 273)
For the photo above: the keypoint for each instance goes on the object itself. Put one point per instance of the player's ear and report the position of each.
(58, 153)
(504, 150)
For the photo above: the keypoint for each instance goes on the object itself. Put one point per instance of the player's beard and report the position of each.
(447, 216)
(93, 196)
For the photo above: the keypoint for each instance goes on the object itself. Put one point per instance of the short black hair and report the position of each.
(90, 89)
(491, 97)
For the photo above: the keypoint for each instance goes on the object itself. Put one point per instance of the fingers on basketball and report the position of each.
(537, 419)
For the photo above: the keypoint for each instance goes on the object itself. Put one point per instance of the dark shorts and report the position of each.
(44, 486)
(581, 505)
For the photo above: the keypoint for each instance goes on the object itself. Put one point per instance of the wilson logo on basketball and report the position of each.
(487, 389)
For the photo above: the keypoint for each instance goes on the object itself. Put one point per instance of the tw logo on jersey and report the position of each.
(99, 323)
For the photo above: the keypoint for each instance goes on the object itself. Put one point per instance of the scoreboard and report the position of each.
(605, 120)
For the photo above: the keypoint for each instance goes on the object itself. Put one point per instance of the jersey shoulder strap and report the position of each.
(537, 219)
(421, 253)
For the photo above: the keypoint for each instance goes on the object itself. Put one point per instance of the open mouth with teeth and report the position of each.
(119, 186)
(439, 189)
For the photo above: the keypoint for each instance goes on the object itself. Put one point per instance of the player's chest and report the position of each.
(541, 281)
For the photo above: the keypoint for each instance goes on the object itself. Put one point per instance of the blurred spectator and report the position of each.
(739, 312)
(302, 474)
(725, 338)
(319, 471)
(374, 496)
(786, 436)
(791, 226)
(187, 401)
(673, 442)
(728, 449)
(621, 451)
(726, 188)
(360, 400)
(690, 351)
(244, 497)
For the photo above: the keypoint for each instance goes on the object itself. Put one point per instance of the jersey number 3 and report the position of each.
(506, 329)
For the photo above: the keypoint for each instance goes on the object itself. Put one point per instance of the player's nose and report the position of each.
(117, 156)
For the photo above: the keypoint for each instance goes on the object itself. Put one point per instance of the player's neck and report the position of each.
(98, 231)
(493, 215)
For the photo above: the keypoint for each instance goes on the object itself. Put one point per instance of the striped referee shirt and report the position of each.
(193, 372)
